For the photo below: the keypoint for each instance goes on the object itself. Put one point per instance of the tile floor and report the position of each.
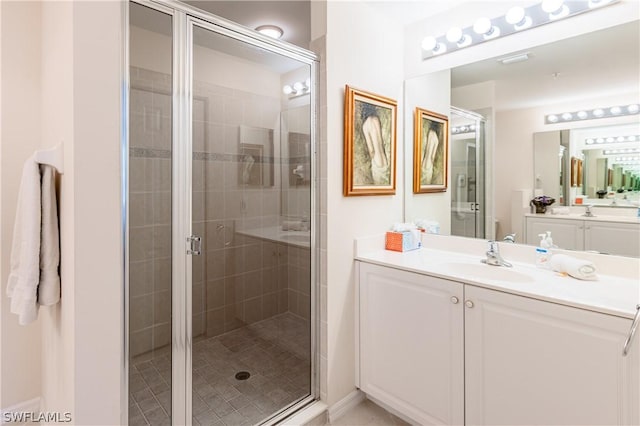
(275, 351)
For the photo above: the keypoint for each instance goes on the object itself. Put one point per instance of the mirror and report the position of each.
(566, 75)
(603, 165)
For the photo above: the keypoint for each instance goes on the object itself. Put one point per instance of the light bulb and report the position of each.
(610, 139)
(567, 116)
(454, 35)
(430, 43)
(633, 108)
(517, 17)
(552, 118)
(482, 26)
(551, 6)
(600, 140)
(287, 89)
(589, 141)
(620, 139)
(615, 110)
(598, 112)
(298, 87)
(582, 115)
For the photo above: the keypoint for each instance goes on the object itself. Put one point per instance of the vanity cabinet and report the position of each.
(411, 343)
(608, 237)
(534, 362)
(443, 352)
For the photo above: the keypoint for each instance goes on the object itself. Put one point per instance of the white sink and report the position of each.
(489, 272)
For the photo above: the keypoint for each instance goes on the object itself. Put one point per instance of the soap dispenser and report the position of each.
(542, 251)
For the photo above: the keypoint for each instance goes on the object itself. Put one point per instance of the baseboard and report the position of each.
(30, 406)
(338, 409)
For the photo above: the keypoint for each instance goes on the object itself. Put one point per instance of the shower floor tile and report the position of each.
(275, 352)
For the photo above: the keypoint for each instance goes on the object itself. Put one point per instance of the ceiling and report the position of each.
(558, 72)
(293, 16)
(601, 63)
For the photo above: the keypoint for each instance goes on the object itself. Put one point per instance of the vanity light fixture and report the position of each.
(515, 19)
(457, 130)
(614, 111)
(272, 31)
(612, 139)
(298, 88)
(621, 151)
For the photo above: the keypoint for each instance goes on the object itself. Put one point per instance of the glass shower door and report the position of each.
(251, 282)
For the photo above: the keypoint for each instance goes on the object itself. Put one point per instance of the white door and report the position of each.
(538, 363)
(411, 343)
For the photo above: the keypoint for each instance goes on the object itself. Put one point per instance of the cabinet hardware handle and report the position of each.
(469, 304)
(632, 332)
(454, 300)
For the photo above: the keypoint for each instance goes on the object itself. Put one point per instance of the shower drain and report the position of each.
(242, 375)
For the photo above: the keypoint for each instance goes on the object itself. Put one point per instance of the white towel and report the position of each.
(24, 273)
(49, 288)
(577, 268)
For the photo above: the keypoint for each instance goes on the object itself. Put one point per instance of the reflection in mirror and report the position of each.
(566, 75)
(467, 174)
(295, 167)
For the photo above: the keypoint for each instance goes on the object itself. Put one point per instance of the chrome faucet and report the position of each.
(510, 238)
(493, 256)
(588, 212)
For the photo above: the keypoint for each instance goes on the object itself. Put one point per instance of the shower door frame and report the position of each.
(184, 19)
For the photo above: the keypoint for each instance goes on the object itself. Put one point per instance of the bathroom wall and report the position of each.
(364, 50)
(20, 136)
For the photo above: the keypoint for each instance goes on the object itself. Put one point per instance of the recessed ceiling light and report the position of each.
(270, 30)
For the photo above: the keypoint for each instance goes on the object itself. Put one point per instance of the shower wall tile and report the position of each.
(140, 281)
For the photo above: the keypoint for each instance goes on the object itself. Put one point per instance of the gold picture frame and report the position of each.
(369, 143)
(430, 151)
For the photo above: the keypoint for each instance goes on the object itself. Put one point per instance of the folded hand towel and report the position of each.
(577, 268)
(560, 210)
(24, 273)
(49, 288)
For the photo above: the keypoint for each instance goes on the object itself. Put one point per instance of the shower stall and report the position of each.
(468, 200)
(220, 221)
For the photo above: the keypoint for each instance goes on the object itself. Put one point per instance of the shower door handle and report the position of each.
(194, 245)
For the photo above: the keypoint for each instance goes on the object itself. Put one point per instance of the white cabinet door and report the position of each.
(622, 239)
(538, 363)
(566, 233)
(411, 343)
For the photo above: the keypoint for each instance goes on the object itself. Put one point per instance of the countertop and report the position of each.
(596, 218)
(276, 234)
(610, 294)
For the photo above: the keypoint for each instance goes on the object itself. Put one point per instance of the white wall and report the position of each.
(98, 279)
(20, 136)
(360, 54)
